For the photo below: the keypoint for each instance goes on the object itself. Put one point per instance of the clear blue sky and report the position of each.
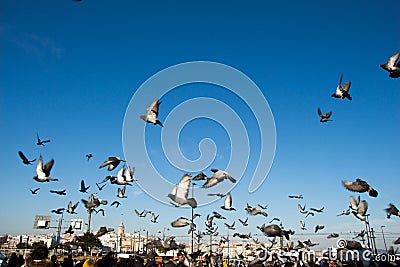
(69, 71)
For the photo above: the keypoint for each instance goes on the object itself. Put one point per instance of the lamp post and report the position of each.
(384, 240)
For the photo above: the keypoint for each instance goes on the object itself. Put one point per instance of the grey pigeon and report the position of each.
(342, 91)
(180, 192)
(392, 66)
(360, 186)
(111, 162)
(43, 172)
(151, 115)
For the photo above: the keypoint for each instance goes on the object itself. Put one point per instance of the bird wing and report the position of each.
(214, 170)
(328, 115)
(320, 114)
(362, 208)
(346, 86)
(82, 185)
(47, 167)
(183, 186)
(39, 168)
(108, 161)
(228, 201)
(22, 156)
(355, 186)
(392, 60)
(120, 174)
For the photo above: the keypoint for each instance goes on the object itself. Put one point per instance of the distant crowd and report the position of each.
(39, 258)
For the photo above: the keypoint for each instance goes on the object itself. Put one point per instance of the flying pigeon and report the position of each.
(151, 115)
(182, 222)
(89, 156)
(24, 159)
(116, 203)
(102, 231)
(392, 210)
(230, 227)
(218, 195)
(360, 186)
(324, 116)
(302, 225)
(83, 187)
(111, 162)
(200, 176)
(361, 211)
(392, 66)
(143, 213)
(129, 172)
(100, 187)
(273, 230)
(34, 191)
(180, 192)
(154, 217)
(71, 208)
(244, 223)
(58, 192)
(100, 210)
(302, 209)
(317, 210)
(354, 203)
(296, 196)
(69, 230)
(345, 212)
(217, 215)
(332, 235)
(121, 192)
(319, 227)
(58, 211)
(274, 219)
(217, 177)
(228, 203)
(342, 91)
(43, 172)
(41, 142)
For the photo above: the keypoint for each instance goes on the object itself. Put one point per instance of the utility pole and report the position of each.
(228, 249)
(58, 232)
(373, 241)
(193, 184)
(384, 240)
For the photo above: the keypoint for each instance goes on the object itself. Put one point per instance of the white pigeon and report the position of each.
(43, 172)
(228, 203)
(217, 177)
(151, 115)
(180, 192)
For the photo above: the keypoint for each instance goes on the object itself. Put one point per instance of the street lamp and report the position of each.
(384, 240)
(193, 184)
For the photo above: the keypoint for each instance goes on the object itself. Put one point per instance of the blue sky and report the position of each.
(69, 71)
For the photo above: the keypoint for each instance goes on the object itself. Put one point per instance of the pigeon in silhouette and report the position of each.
(275, 219)
(302, 209)
(180, 192)
(83, 187)
(102, 231)
(111, 162)
(151, 115)
(100, 187)
(71, 208)
(317, 210)
(392, 66)
(116, 203)
(274, 230)
(319, 227)
(345, 212)
(360, 186)
(244, 223)
(296, 196)
(199, 177)
(324, 116)
(392, 210)
(58, 211)
(43, 172)
(230, 227)
(218, 195)
(99, 210)
(89, 156)
(59, 192)
(25, 159)
(218, 215)
(342, 91)
(303, 225)
(41, 142)
(228, 203)
(217, 177)
(69, 230)
(34, 191)
(143, 213)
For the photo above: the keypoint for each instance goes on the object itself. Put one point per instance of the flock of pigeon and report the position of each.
(180, 192)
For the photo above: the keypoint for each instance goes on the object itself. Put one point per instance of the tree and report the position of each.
(87, 241)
